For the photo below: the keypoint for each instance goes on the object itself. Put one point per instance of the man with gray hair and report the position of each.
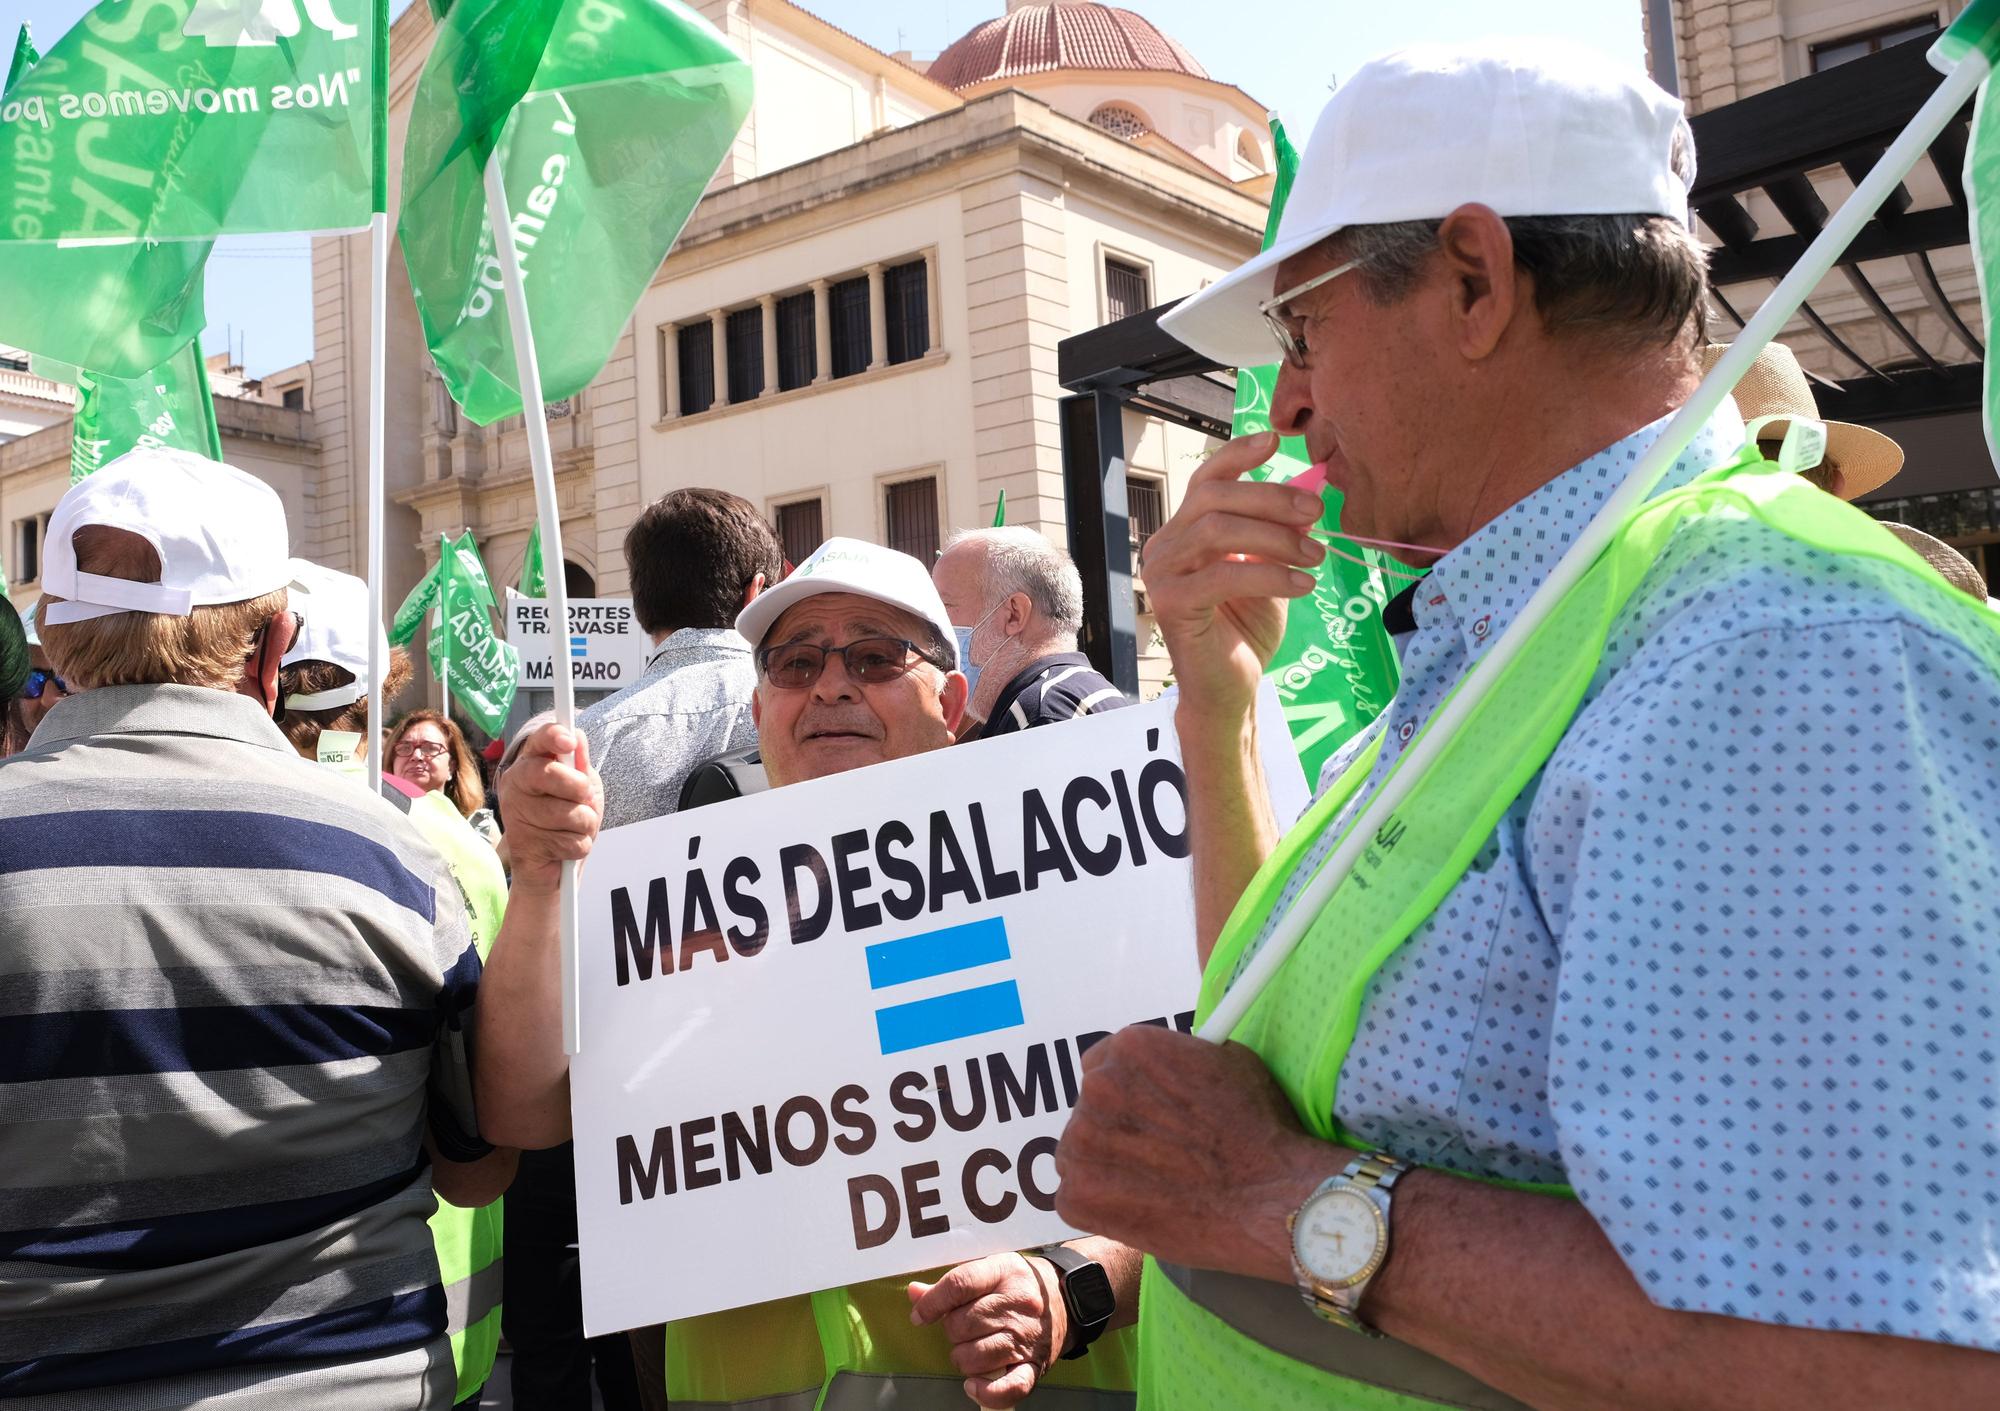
(1023, 600)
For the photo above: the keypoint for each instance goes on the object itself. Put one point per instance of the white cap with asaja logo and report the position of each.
(1527, 127)
(866, 570)
(220, 535)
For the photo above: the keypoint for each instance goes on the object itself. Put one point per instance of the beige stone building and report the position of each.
(857, 330)
(1716, 53)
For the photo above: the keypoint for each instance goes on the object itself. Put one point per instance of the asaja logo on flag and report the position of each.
(243, 23)
(957, 1014)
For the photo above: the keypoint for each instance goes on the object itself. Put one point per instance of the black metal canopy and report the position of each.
(1767, 167)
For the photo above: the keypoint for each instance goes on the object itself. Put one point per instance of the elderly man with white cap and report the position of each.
(857, 663)
(1645, 1058)
(237, 1003)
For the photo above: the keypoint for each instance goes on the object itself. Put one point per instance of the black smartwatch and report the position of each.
(1086, 1294)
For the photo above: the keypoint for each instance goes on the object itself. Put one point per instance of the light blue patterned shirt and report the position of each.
(692, 702)
(1730, 966)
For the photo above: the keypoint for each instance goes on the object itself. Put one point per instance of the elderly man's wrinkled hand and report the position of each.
(553, 803)
(1005, 1317)
(1221, 572)
(1189, 1151)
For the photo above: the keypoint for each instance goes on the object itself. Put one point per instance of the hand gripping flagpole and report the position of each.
(543, 461)
(1960, 83)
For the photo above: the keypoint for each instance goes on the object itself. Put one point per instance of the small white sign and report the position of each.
(833, 1032)
(606, 648)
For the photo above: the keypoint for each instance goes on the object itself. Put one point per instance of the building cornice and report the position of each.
(1008, 122)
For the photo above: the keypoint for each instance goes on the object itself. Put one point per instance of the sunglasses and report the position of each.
(873, 661)
(40, 680)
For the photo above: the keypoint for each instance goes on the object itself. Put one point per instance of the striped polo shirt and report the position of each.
(230, 985)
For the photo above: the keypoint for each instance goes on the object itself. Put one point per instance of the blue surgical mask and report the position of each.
(965, 662)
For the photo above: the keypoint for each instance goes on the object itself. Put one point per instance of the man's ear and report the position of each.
(756, 709)
(260, 669)
(953, 699)
(1483, 284)
(1020, 607)
(752, 589)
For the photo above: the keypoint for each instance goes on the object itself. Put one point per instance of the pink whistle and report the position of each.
(1313, 478)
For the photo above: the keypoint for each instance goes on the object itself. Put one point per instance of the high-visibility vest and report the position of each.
(855, 1349)
(468, 1241)
(1211, 1339)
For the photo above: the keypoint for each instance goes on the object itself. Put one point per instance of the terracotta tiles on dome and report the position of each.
(1064, 35)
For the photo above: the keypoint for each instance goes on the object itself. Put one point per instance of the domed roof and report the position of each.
(1065, 34)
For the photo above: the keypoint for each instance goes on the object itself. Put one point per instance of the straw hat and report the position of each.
(1952, 566)
(1775, 386)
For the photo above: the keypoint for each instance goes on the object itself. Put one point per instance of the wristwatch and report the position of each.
(1340, 1238)
(1086, 1295)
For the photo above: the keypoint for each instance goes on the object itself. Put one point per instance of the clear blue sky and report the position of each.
(260, 288)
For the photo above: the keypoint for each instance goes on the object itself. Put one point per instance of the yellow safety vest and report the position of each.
(1217, 1340)
(468, 1241)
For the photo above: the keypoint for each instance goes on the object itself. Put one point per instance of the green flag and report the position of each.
(1335, 670)
(26, 56)
(1000, 511)
(410, 616)
(187, 119)
(1978, 29)
(482, 668)
(610, 121)
(126, 307)
(533, 583)
(169, 407)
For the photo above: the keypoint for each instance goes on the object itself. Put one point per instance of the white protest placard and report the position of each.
(606, 648)
(833, 1031)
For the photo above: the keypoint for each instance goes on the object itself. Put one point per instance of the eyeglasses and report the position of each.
(1290, 330)
(419, 749)
(873, 661)
(40, 680)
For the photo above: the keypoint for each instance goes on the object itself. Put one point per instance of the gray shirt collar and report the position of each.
(160, 710)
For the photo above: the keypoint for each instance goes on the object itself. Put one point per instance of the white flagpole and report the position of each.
(378, 415)
(1812, 266)
(501, 220)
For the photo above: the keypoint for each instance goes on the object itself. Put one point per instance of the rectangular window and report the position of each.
(27, 550)
(1835, 52)
(745, 332)
(1147, 500)
(913, 519)
(798, 351)
(697, 351)
(847, 321)
(801, 529)
(906, 295)
(295, 399)
(1127, 289)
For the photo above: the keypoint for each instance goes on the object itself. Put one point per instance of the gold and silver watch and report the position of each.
(1340, 1238)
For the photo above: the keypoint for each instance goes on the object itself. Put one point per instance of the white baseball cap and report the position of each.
(1541, 127)
(853, 566)
(220, 534)
(335, 608)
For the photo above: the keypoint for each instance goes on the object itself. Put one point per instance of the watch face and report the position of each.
(1090, 1291)
(1339, 1236)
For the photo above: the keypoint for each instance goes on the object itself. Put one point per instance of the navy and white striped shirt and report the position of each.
(230, 983)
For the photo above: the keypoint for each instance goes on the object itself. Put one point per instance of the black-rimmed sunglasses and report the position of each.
(873, 661)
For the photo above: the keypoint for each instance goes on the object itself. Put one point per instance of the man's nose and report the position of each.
(834, 683)
(1291, 401)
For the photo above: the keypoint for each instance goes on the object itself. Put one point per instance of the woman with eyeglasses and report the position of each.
(430, 751)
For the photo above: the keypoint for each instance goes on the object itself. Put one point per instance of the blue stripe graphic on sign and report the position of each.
(937, 953)
(579, 646)
(960, 1016)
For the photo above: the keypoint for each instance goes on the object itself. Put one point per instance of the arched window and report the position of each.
(1249, 151)
(1120, 120)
